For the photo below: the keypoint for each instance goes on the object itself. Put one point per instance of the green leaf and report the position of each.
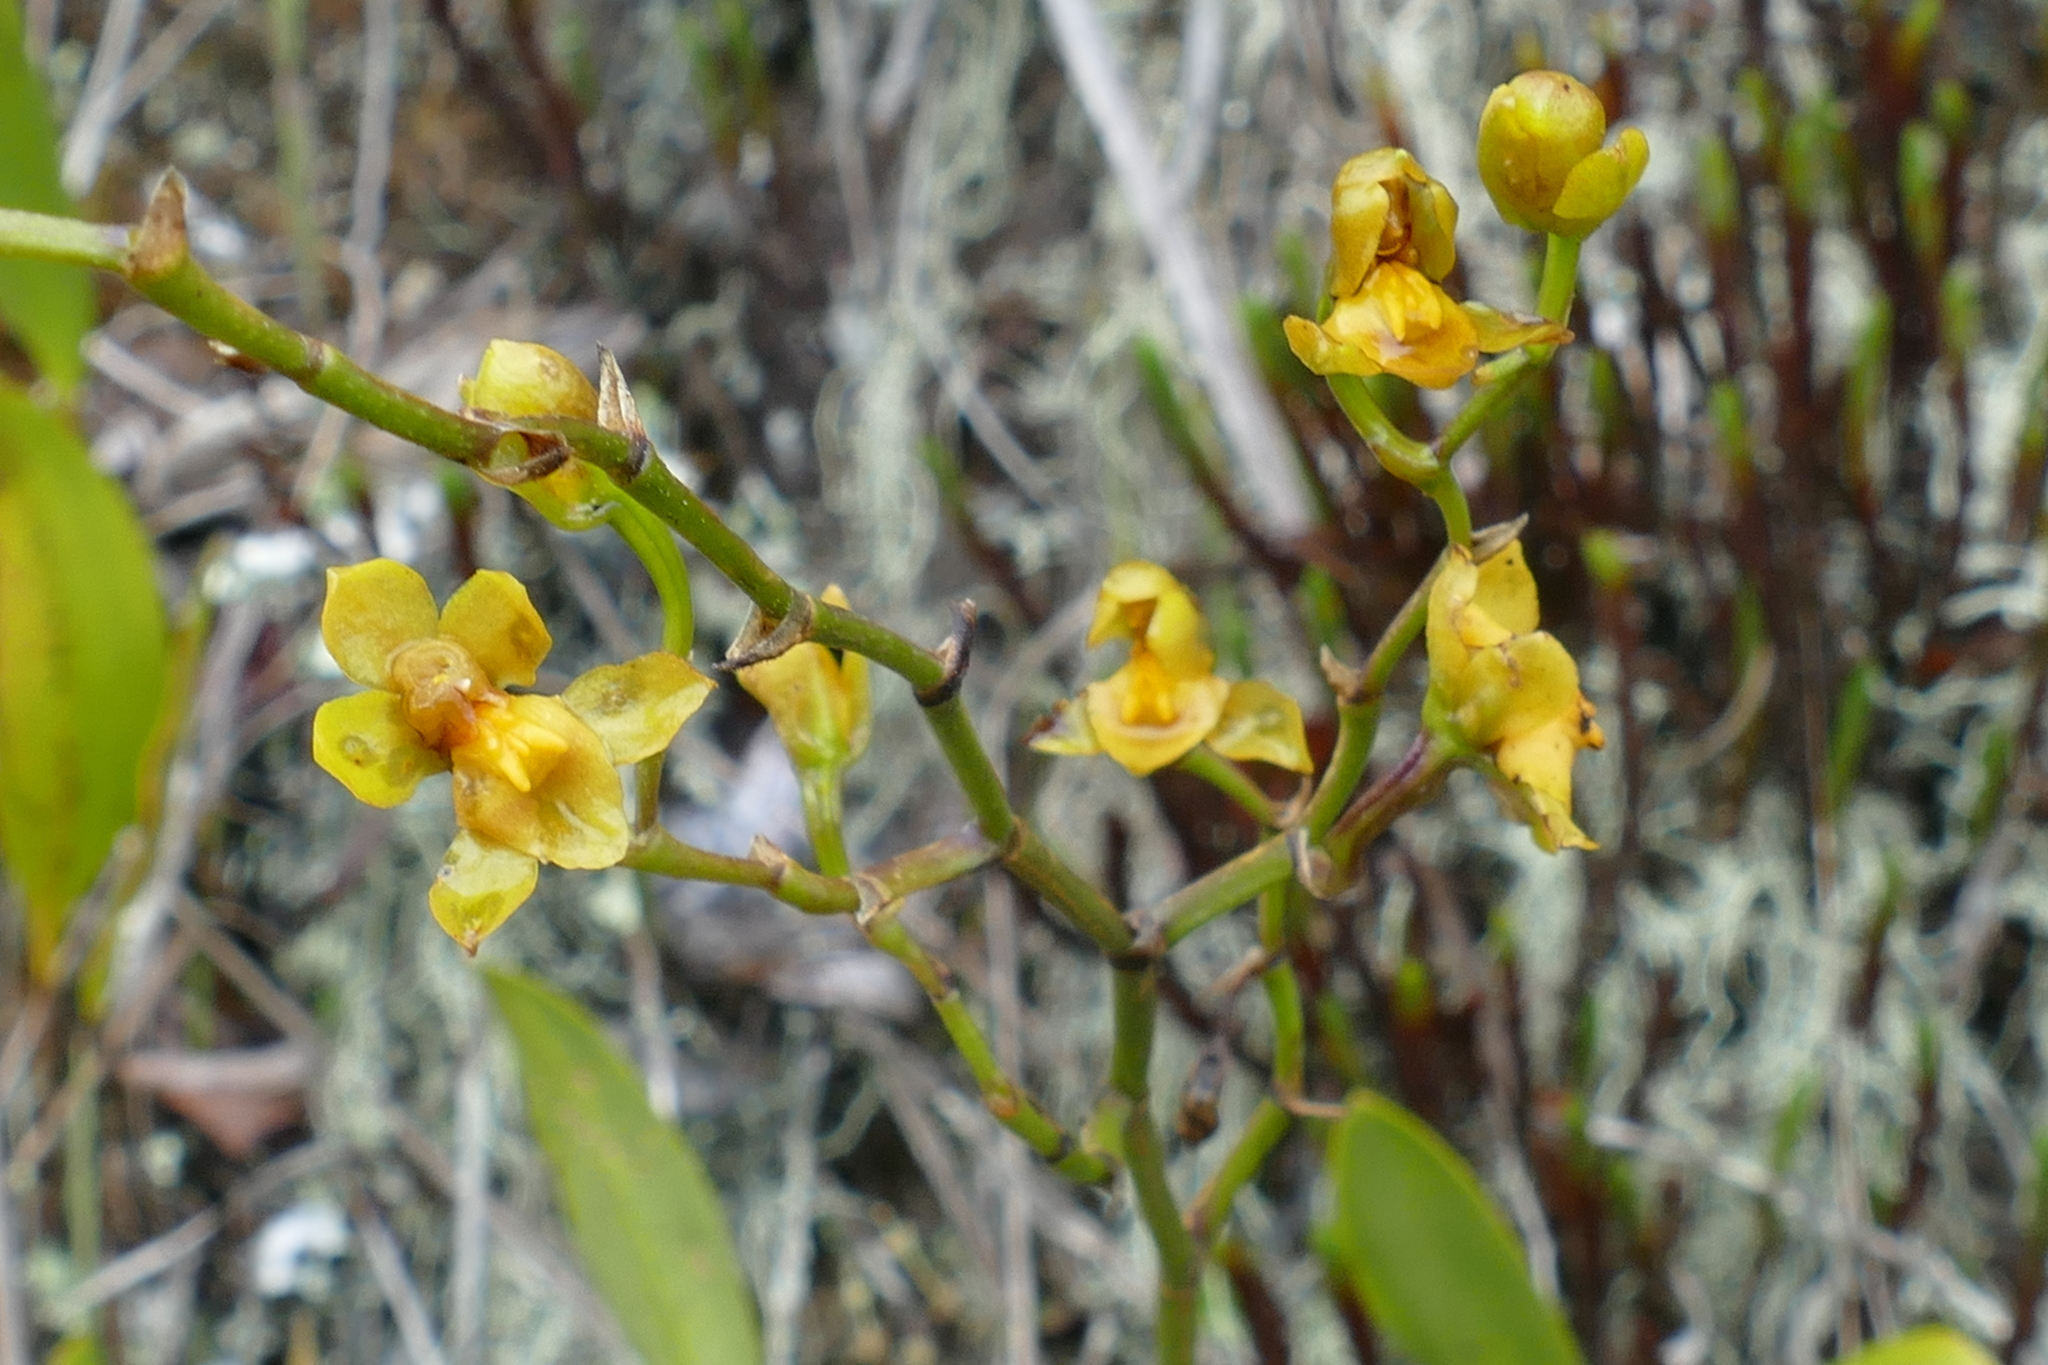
(1436, 1265)
(638, 1203)
(78, 1350)
(1932, 1345)
(81, 664)
(50, 307)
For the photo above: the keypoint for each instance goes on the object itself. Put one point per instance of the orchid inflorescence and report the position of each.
(536, 777)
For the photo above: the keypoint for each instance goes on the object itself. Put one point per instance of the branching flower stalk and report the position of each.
(536, 775)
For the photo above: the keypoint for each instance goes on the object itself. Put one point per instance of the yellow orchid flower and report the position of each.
(536, 777)
(1166, 698)
(1540, 155)
(1391, 229)
(816, 699)
(1500, 687)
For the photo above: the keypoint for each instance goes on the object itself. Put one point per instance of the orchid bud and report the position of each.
(1541, 158)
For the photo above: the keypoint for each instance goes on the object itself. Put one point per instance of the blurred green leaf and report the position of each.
(78, 1350)
(1438, 1269)
(48, 306)
(81, 663)
(637, 1201)
(1935, 1345)
(1850, 734)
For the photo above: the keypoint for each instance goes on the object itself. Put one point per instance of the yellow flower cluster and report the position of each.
(536, 777)
(1391, 229)
(1501, 688)
(1166, 699)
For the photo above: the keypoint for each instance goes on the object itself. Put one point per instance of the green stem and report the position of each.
(656, 547)
(657, 551)
(1136, 1011)
(1221, 890)
(1400, 454)
(979, 782)
(824, 798)
(1231, 780)
(1340, 1046)
(1358, 725)
(1032, 862)
(1247, 1156)
(1444, 490)
(1560, 280)
(1553, 301)
(63, 241)
(1001, 1095)
(661, 854)
(1358, 707)
(1413, 781)
(1283, 996)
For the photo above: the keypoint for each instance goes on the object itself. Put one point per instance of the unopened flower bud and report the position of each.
(525, 379)
(1541, 158)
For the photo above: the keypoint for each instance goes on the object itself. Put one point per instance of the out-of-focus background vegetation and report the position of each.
(1762, 1077)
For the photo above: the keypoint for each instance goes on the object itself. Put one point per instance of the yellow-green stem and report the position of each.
(823, 793)
(1400, 454)
(1210, 1208)
(1553, 301)
(1000, 1094)
(1221, 890)
(1136, 1012)
(1229, 779)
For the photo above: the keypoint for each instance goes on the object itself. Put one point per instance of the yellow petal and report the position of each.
(492, 617)
(1453, 631)
(1404, 324)
(1597, 185)
(373, 608)
(574, 816)
(478, 887)
(856, 709)
(1196, 705)
(1506, 591)
(637, 707)
(1498, 331)
(1176, 635)
(797, 687)
(1124, 602)
(1435, 216)
(1359, 204)
(1539, 764)
(1262, 723)
(1070, 732)
(1323, 353)
(857, 712)
(1516, 687)
(1532, 132)
(365, 743)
